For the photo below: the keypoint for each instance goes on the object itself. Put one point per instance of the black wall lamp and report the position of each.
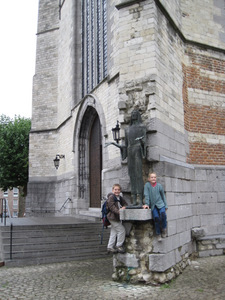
(57, 160)
(116, 132)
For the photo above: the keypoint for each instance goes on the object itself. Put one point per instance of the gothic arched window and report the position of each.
(94, 43)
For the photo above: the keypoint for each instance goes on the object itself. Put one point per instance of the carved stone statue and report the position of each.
(135, 151)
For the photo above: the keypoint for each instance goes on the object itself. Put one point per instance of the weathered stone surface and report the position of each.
(135, 214)
(127, 259)
(212, 252)
(197, 232)
(161, 262)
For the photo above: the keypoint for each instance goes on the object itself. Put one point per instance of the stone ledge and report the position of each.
(212, 252)
(211, 245)
(135, 214)
(211, 237)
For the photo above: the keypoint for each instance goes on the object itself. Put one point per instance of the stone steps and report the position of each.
(211, 245)
(38, 244)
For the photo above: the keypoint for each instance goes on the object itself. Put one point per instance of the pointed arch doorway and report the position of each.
(90, 158)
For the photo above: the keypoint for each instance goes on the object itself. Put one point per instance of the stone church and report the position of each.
(97, 61)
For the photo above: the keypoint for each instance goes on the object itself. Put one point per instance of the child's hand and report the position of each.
(145, 206)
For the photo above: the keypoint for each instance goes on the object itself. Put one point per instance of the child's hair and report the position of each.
(116, 184)
(149, 174)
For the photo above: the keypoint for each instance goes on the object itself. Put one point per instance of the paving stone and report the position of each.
(91, 279)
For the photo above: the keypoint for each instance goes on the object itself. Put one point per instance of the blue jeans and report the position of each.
(159, 217)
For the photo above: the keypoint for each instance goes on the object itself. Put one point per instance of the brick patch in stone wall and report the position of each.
(206, 154)
(206, 62)
(197, 81)
(208, 74)
(205, 119)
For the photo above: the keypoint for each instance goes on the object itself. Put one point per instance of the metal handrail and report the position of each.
(63, 206)
(3, 210)
(11, 237)
(45, 210)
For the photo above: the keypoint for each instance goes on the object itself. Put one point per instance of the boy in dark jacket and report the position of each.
(117, 234)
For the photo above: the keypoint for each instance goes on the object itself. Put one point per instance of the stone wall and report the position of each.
(204, 22)
(47, 198)
(195, 203)
(45, 81)
(208, 199)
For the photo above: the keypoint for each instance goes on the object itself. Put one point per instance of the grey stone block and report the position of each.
(168, 184)
(208, 208)
(178, 212)
(204, 197)
(176, 185)
(126, 259)
(197, 232)
(161, 262)
(221, 197)
(166, 245)
(135, 214)
(214, 237)
(170, 198)
(184, 224)
(128, 227)
(185, 237)
(182, 198)
(187, 185)
(212, 252)
(151, 126)
(177, 256)
(211, 220)
(200, 174)
(203, 186)
(170, 169)
(220, 245)
(111, 173)
(187, 248)
(171, 227)
(153, 153)
(122, 105)
(220, 186)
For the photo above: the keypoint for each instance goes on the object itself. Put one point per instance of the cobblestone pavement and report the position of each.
(91, 279)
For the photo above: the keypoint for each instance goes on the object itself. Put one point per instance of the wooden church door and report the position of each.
(95, 163)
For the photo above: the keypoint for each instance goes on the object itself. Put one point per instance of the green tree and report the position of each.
(14, 149)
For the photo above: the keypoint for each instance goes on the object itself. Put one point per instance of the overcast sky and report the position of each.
(18, 27)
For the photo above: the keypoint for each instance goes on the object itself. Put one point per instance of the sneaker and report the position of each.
(112, 250)
(164, 233)
(120, 249)
(159, 239)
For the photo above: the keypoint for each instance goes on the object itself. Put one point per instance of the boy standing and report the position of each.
(117, 234)
(155, 198)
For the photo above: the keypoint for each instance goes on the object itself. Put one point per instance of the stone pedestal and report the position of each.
(142, 262)
(135, 214)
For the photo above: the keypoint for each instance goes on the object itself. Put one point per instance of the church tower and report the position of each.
(97, 61)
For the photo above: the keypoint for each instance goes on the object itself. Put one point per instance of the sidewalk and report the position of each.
(91, 279)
